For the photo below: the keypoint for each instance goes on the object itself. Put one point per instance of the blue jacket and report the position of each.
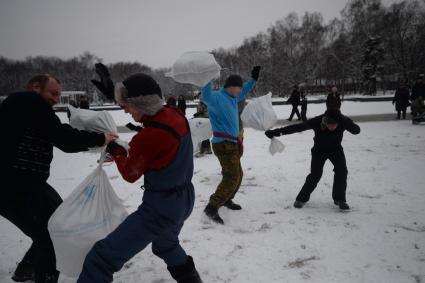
(223, 109)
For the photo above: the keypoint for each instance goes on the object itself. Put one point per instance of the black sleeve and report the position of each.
(63, 136)
(297, 128)
(350, 126)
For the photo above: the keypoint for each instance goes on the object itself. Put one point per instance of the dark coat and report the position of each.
(295, 98)
(418, 90)
(31, 129)
(181, 104)
(333, 101)
(401, 98)
(324, 140)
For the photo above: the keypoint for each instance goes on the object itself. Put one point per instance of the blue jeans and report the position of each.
(158, 221)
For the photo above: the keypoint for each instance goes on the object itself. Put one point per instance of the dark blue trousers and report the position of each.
(158, 221)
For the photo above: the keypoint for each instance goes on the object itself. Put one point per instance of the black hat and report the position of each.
(332, 116)
(233, 80)
(141, 85)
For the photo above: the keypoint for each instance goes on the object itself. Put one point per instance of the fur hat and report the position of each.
(233, 80)
(332, 116)
(142, 91)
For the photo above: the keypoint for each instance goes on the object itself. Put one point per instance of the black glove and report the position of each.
(272, 133)
(133, 127)
(105, 85)
(255, 73)
(113, 148)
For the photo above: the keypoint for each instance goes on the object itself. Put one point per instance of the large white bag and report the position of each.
(87, 215)
(92, 121)
(201, 130)
(259, 113)
(197, 68)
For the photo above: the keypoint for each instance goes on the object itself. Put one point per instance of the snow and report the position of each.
(349, 108)
(381, 240)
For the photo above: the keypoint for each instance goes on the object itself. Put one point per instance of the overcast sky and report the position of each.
(153, 32)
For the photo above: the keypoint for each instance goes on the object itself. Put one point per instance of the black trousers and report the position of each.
(295, 111)
(29, 207)
(303, 114)
(399, 111)
(318, 159)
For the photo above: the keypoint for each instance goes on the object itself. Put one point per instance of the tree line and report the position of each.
(369, 47)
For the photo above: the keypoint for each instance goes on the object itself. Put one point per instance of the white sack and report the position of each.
(87, 215)
(259, 113)
(197, 68)
(276, 146)
(201, 130)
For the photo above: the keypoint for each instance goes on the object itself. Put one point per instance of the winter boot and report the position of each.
(212, 213)
(185, 273)
(299, 204)
(47, 277)
(231, 205)
(24, 272)
(342, 205)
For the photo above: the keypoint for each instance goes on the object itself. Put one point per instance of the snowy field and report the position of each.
(381, 240)
(349, 108)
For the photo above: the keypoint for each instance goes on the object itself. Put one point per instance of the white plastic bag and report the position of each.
(201, 130)
(197, 68)
(92, 121)
(259, 113)
(87, 215)
(276, 146)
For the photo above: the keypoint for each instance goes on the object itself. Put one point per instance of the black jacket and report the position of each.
(401, 98)
(324, 140)
(30, 129)
(418, 90)
(295, 98)
(333, 101)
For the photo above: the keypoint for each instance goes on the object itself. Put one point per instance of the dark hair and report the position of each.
(41, 79)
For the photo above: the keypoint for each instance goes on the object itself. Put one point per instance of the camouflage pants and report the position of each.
(230, 160)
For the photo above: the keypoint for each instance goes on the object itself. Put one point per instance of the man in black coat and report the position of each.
(30, 130)
(328, 129)
(401, 99)
(333, 100)
(294, 100)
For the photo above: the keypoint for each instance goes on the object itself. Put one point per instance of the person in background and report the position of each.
(162, 152)
(418, 96)
(84, 102)
(294, 100)
(328, 133)
(333, 100)
(401, 99)
(304, 103)
(227, 146)
(26, 199)
(171, 101)
(181, 104)
(202, 112)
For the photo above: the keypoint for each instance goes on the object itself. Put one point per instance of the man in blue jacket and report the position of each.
(227, 146)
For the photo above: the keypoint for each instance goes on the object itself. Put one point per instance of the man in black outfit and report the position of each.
(333, 100)
(328, 129)
(294, 100)
(31, 129)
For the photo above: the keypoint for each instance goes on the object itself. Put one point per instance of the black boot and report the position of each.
(298, 204)
(185, 273)
(342, 205)
(47, 277)
(212, 213)
(231, 205)
(24, 272)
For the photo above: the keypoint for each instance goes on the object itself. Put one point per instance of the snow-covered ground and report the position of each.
(349, 108)
(381, 240)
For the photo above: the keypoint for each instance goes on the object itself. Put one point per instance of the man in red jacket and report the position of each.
(162, 151)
